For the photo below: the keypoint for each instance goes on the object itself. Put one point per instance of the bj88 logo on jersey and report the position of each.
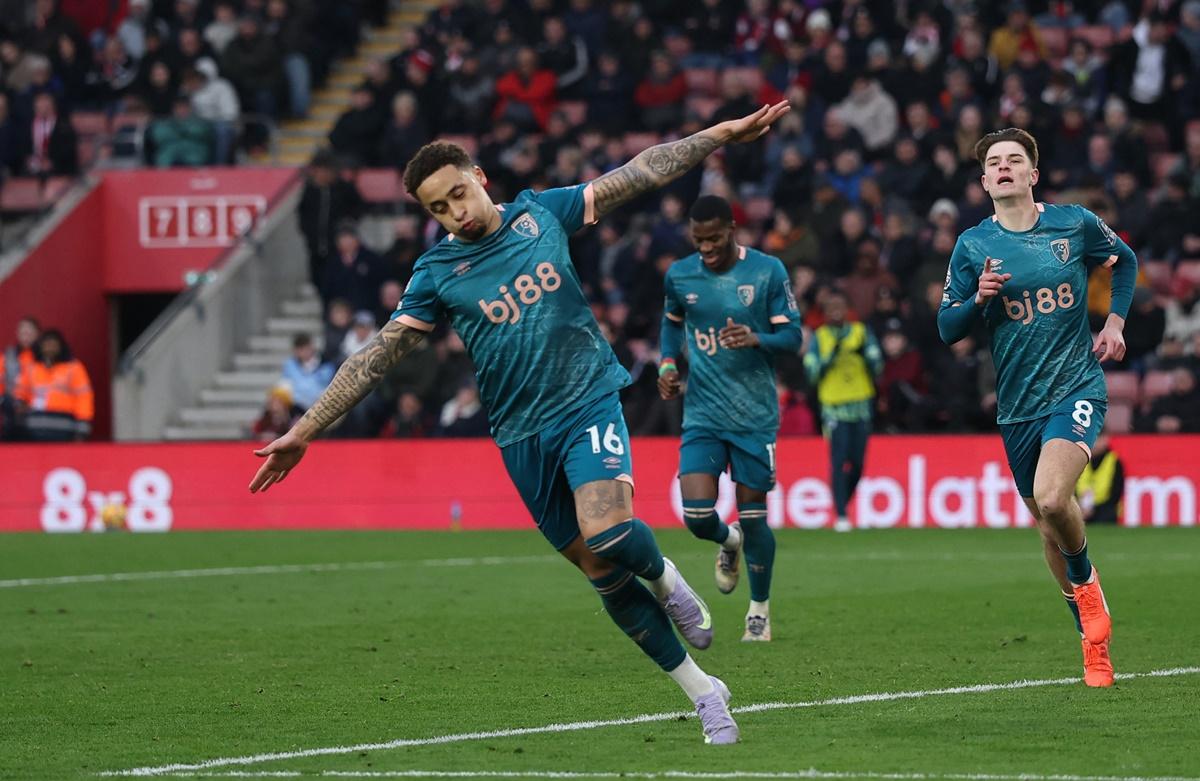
(1043, 301)
(526, 290)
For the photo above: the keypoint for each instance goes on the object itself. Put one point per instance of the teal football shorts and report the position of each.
(589, 443)
(1075, 419)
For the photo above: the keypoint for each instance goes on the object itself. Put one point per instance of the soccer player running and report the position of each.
(548, 379)
(736, 305)
(843, 360)
(1024, 272)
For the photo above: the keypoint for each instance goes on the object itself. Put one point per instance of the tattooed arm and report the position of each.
(658, 165)
(357, 376)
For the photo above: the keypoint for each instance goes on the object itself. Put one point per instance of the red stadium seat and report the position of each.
(636, 142)
(1100, 36)
(1155, 384)
(1156, 136)
(575, 111)
(702, 107)
(1161, 164)
(752, 78)
(468, 143)
(759, 208)
(1055, 39)
(1159, 274)
(701, 81)
(1122, 386)
(90, 123)
(1119, 419)
(21, 194)
(1189, 269)
(378, 185)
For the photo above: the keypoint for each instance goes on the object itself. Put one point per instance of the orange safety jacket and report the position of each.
(58, 397)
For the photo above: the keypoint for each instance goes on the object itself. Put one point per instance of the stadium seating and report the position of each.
(1155, 384)
(1119, 419)
(702, 106)
(379, 185)
(31, 194)
(701, 81)
(1190, 270)
(1122, 387)
(636, 142)
(575, 111)
(1158, 272)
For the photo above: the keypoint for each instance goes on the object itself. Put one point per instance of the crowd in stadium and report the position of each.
(864, 186)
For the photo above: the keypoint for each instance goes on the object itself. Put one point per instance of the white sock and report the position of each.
(665, 584)
(759, 609)
(694, 681)
(734, 539)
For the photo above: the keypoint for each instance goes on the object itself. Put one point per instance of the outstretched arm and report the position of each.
(664, 163)
(357, 376)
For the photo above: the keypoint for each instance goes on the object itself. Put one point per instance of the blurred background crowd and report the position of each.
(863, 187)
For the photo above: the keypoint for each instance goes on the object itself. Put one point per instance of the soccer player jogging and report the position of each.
(1024, 272)
(548, 379)
(736, 305)
(843, 360)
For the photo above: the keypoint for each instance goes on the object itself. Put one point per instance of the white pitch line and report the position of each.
(644, 718)
(285, 569)
(800, 775)
(272, 569)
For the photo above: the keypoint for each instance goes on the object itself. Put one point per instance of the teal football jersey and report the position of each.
(730, 390)
(1039, 322)
(517, 303)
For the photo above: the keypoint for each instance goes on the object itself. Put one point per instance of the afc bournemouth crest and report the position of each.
(746, 294)
(526, 226)
(1061, 249)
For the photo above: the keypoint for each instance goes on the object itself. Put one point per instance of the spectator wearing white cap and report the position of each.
(215, 99)
(362, 330)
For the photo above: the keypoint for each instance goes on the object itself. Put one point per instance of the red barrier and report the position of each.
(936, 482)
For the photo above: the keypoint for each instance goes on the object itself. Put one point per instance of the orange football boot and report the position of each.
(1097, 665)
(1093, 610)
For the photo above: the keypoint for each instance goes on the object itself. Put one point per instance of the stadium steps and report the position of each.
(233, 401)
(299, 139)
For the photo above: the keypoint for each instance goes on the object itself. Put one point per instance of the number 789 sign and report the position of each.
(197, 220)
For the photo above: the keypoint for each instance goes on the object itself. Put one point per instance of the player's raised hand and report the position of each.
(735, 337)
(668, 385)
(282, 456)
(990, 283)
(754, 125)
(1109, 344)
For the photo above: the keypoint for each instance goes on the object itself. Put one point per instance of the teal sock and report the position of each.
(633, 608)
(1074, 608)
(701, 517)
(758, 547)
(1079, 566)
(632, 545)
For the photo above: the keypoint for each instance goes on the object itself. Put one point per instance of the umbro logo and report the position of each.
(691, 298)
(526, 226)
(462, 268)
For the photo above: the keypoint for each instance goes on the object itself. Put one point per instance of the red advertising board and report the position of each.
(929, 482)
(159, 226)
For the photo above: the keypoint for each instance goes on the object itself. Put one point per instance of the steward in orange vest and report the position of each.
(55, 393)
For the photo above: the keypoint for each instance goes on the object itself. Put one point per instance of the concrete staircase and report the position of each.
(228, 408)
(299, 138)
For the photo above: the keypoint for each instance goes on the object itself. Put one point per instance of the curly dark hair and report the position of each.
(430, 158)
(1007, 134)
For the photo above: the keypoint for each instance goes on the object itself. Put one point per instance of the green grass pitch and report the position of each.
(420, 635)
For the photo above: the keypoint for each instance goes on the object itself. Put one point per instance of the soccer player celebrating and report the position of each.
(1024, 272)
(737, 307)
(547, 378)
